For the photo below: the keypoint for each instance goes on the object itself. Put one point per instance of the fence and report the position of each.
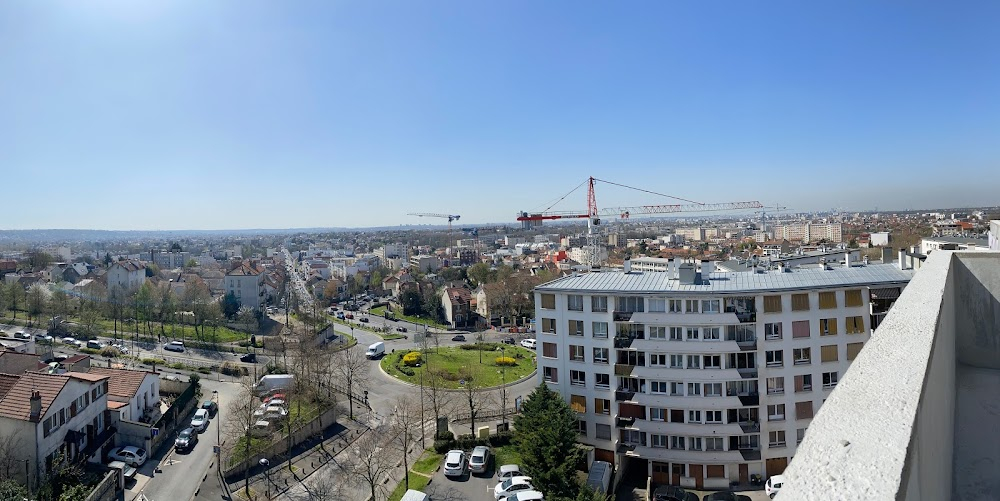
(174, 417)
(484, 415)
(235, 470)
(107, 489)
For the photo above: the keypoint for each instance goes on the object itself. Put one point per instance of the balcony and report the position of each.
(750, 454)
(623, 395)
(621, 316)
(750, 426)
(748, 372)
(747, 317)
(626, 447)
(624, 369)
(623, 342)
(750, 399)
(747, 345)
(624, 422)
(939, 441)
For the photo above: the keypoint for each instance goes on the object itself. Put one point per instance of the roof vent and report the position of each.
(628, 266)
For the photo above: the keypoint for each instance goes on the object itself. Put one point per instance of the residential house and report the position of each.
(457, 308)
(13, 362)
(775, 248)
(139, 391)
(52, 415)
(127, 274)
(246, 282)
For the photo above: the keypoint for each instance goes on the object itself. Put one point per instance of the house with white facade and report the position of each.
(127, 275)
(246, 282)
(700, 378)
(139, 391)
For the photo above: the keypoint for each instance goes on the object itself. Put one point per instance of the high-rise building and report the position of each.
(700, 379)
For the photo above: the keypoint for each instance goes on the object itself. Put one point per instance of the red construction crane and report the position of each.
(449, 217)
(625, 212)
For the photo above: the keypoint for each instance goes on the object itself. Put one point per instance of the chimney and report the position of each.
(686, 273)
(886, 255)
(628, 266)
(902, 258)
(847, 259)
(706, 268)
(36, 406)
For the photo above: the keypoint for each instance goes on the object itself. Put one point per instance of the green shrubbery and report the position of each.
(444, 444)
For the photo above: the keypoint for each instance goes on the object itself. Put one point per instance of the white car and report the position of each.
(512, 485)
(529, 343)
(526, 496)
(69, 340)
(177, 346)
(200, 420)
(773, 485)
(132, 456)
(454, 463)
(508, 471)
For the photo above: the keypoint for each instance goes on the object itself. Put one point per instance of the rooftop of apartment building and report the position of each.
(758, 281)
(918, 414)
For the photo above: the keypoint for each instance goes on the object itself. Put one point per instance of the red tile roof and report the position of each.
(16, 403)
(122, 382)
(6, 383)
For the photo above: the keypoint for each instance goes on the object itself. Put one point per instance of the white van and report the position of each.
(412, 495)
(376, 350)
(599, 477)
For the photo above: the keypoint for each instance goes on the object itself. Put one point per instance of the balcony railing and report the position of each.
(623, 395)
(621, 316)
(747, 345)
(624, 341)
(750, 399)
(750, 426)
(624, 369)
(750, 454)
(624, 422)
(748, 373)
(624, 447)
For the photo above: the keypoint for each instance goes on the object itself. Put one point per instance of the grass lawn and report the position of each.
(429, 462)
(417, 482)
(390, 335)
(221, 334)
(456, 363)
(380, 312)
(506, 455)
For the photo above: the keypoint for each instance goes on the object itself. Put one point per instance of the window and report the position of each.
(677, 388)
(657, 305)
(657, 359)
(549, 350)
(853, 349)
(574, 302)
(549, 325)
(800, 329)
(803, 382)
(775, 385)
(602, 380)
(692, 333)
(600, 355)
(602, 431)
(713, 389)
(828, 327)
(629, 304)
(694, 443)
(658, 386)
(713, 417)
(47, 427)
(776, 438)
(694, 416)
(578, 378)
(676, 361)
(772, 331)
(676, 333)
(852, 298)
(657, 414)
(677, 443)
(828, 353)
(581, 427)
(776, 412)
(576, 327)
(576, 353)
(829, 380)
(691, 306)
(799, 435)
(676, 416)
(800, 302)
(804, 410)
(599, 304)
(772, 304)
(710, 333)
(694, 361)
(827, 300)
(657, 332)
(658, 441)
(550, 374)
(578, 403)
(710, 306)
(855, 325)
(675, 305)
(712, 361)
(713, 444)
(549, 301)
(602, 406)
(802, 356)
(600, 329)
(775, 358)
(694, 389)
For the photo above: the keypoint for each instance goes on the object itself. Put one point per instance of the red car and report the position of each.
(349, 316)
(276, 396)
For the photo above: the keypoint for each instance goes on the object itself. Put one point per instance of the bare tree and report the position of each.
(404, 424)
(10, 443)
(440, 399)
(374, 460)
(352, 367)
(36, 302)
(240, 421)
(474, 396)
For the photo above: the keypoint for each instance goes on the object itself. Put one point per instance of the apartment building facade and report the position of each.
(810, 232)
(702, 379)
(246, 282)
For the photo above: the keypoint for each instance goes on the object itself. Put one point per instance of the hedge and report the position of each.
(508, 361)
(466, 442)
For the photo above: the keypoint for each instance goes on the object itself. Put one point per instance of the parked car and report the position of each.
(725, 496)
(95, 344)
(508, 471)
(773, 485)
(200, 420)
(511, 486)
(186, 439)
(349, 316)
(459, 337)
(250, 358)
(412, 495)
(508, 340)
(270, 412)
(22, 335)
(273, 397)
(529, 343)
(129, 455)
(127, 471)
(526, 496)
(479, 461)
(177, 346)
(69, 340)
(673, 493)
(340, 315)
(363, 320)
(43, 338)
(454, 463)
(400, 329)
(210, 406)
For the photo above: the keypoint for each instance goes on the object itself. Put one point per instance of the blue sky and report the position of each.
(253, 114)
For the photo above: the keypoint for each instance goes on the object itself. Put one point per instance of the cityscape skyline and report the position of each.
(352, 115)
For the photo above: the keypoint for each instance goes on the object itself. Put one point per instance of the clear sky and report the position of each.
(276, 114)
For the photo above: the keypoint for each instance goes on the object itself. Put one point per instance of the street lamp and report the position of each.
(264, 463)
(218, 428)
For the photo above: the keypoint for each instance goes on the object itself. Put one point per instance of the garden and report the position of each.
(487, 364)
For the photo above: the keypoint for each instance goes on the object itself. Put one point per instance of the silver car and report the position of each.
(479, 461)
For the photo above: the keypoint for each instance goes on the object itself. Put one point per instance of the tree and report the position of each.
(10, 489)
(78, 492)
(352, 368)
(152, 270)
(107, 260)
(375, 459)
(439, 399)
(10, 467)
(191, 263)
(38, 260)
(474, 396)
(15, 296)
(412, 302)
(546, 441)
(247, 316)
(240, 420)
(230, 305)
(60, 303)
(480, 274)
(36, 301)
(405, 419)
(176, 247)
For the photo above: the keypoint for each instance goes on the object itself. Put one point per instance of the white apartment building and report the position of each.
(702, 379)
(246, 282)
(810, 232)
(127, 275)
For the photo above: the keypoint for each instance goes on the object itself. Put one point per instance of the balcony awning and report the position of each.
(888, 293)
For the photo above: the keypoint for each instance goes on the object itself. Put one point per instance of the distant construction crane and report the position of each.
(449, 217)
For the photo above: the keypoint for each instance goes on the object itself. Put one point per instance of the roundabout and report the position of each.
(453, 367)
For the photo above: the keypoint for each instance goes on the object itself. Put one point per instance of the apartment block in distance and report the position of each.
(700, 378)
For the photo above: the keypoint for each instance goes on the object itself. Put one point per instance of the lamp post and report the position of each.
(267, 475)
(218, 429)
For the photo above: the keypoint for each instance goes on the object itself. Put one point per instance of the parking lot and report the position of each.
(467, 487)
